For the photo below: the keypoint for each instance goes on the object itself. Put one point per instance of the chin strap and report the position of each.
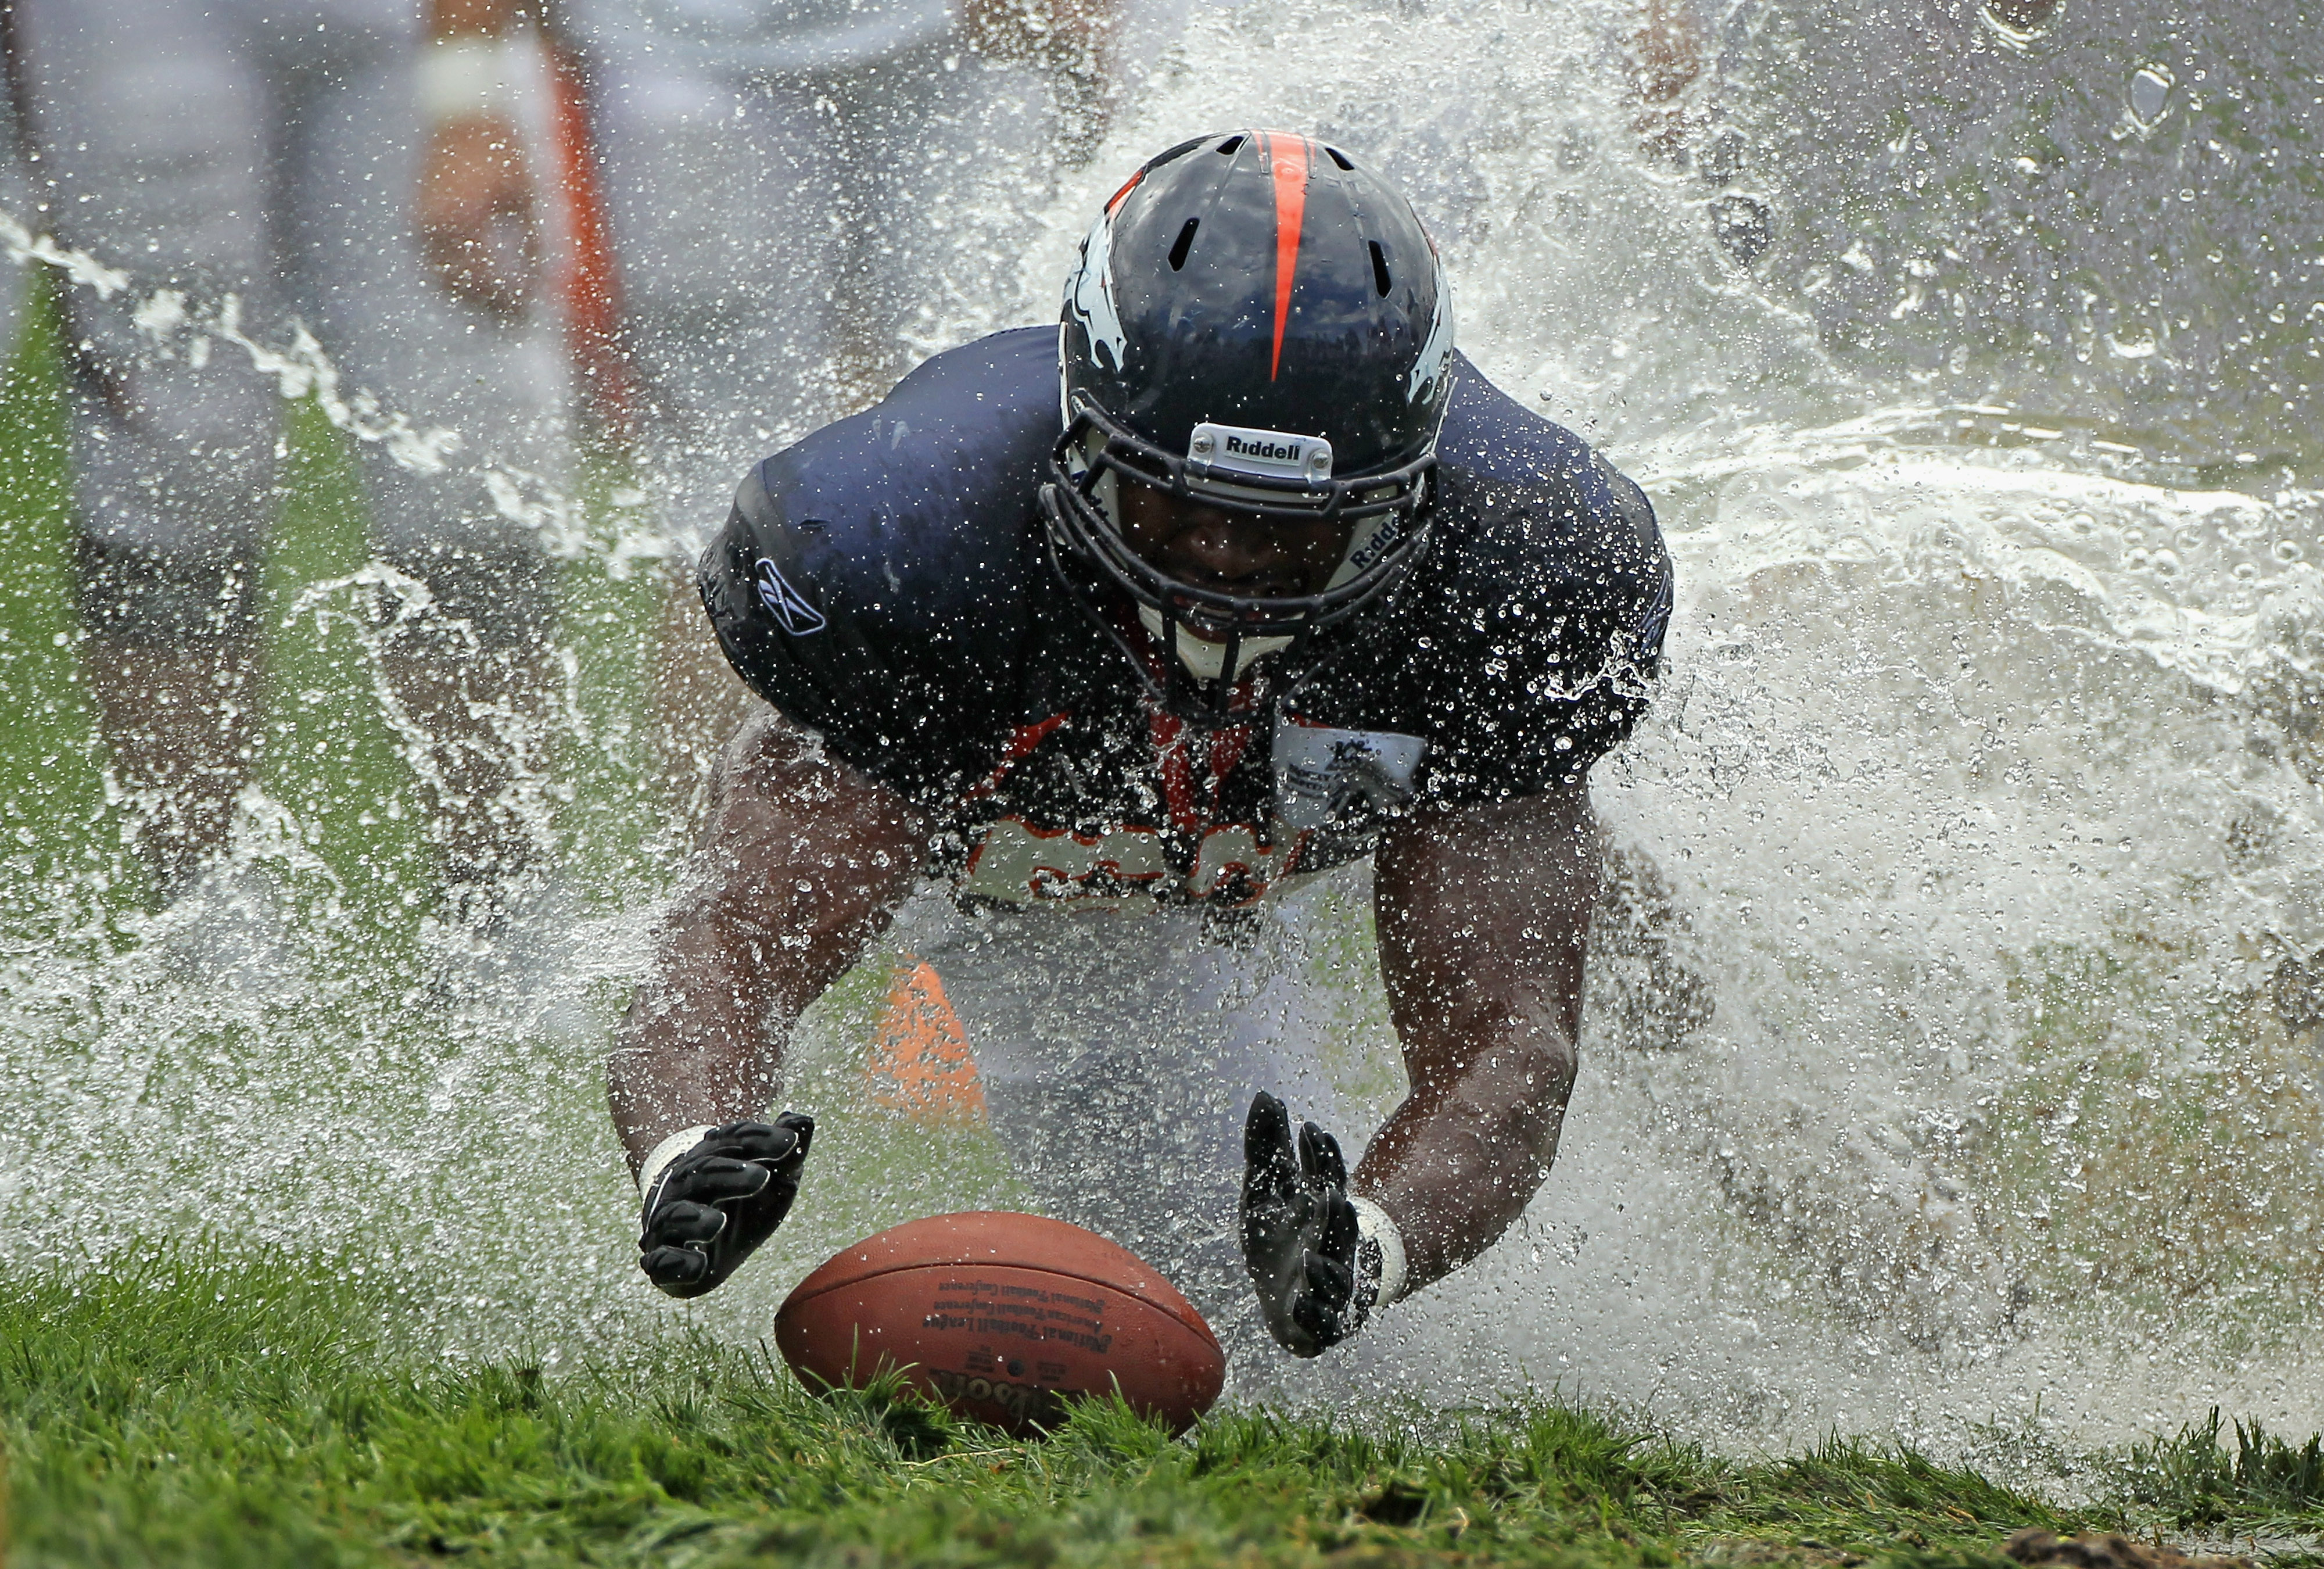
(1208, 661)
(1214, 709)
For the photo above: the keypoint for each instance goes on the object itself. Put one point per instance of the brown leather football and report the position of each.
(999, 1316)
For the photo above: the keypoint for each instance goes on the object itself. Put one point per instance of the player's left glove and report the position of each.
(709, 1204)
(1318, 1274)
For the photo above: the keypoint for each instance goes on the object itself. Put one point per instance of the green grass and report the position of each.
(56, 836)
(2158, 1146)
(194, 1409)
(2193, 1479)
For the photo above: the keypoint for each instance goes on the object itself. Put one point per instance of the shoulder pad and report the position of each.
(871, 581)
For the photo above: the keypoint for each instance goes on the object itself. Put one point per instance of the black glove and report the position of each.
(1299, 1233)
(709, 1207)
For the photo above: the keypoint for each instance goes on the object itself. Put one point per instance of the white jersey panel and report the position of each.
(758, 36)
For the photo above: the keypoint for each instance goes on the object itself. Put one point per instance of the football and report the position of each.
(1001, 1317)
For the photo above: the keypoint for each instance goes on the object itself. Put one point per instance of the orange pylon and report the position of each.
(919, 1063)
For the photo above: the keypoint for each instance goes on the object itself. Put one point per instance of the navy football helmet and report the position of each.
(1259, 324)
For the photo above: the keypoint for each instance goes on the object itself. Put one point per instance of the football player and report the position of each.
(237, 156)
(1116, 629)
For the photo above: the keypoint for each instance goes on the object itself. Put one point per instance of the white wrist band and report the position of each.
(459, 76)
(667, 1150)
(1372, 1222)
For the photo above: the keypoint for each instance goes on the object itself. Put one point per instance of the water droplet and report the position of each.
(2018, 23)
(2150, 96)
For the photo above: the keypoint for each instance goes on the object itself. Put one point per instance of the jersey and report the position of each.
(888, 582)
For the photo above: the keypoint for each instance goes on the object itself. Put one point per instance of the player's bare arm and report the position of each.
(1483, 917)
(1073, 35)
(477, 207)
(479, 225)
(802, 861)
(1483, 922)
(1076, 42)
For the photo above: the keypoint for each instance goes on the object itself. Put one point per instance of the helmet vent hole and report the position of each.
(1379, 268)
(1231, 146)
(1341, 159)
(1185, 242)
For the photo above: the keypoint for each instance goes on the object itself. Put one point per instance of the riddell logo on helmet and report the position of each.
(1276, 453)
(1270, 451)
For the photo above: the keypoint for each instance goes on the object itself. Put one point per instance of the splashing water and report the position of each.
(1955, 1035)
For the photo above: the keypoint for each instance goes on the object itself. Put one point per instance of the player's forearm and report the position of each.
(803, 859)
(1088, 28)
(1483, 918)
(1076, 35)
(703, 1041)
(1456, 1163)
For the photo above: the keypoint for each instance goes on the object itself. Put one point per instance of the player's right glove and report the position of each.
(1300, 1235)
(708, 1206)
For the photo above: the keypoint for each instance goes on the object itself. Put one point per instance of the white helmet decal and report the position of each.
(1089, 295)
(1435, 361)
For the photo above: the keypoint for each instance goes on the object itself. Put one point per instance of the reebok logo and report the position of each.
(790, 608)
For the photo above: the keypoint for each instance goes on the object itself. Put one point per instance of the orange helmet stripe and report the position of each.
(1288, 156)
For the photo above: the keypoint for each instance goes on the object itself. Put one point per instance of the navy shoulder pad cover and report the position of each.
(874, 581)
(886, 582)
(1525, 646)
